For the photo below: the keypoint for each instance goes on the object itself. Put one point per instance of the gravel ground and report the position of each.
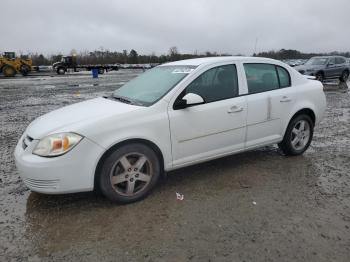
(254, 206)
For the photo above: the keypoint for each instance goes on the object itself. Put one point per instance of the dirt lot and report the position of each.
(255, 206)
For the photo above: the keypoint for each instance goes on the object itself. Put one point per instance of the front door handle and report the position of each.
(285, 99)
(235, 109)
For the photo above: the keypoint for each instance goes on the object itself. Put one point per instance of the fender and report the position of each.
(301, 105)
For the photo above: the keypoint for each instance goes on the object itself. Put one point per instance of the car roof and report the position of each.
(212, 60)
(328, 56)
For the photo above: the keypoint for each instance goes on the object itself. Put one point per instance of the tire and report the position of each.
(319, 76)
(25, 69)
(123, 180)
(101, 71)
(9, 71)
(344, 76)
(61, 71)
(296, 140)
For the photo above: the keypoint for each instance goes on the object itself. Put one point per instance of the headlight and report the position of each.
(56, 144)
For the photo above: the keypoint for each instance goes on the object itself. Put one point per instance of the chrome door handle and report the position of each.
(285, 99)
(235, 109)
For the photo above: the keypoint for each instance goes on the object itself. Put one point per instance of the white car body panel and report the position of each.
(69, 173)
(195, 137)
(88, 111)
(184, 137)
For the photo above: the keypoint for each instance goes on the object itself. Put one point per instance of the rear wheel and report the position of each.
(298, 136)
(344, 76)
(129, 173)
(9, 71)
(319, 76)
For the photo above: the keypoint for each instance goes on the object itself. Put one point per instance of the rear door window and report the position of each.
(265, 77)
(339, 60)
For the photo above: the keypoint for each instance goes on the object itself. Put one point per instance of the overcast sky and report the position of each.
(231, 26)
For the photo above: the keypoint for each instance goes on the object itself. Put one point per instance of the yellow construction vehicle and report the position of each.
(10, 65)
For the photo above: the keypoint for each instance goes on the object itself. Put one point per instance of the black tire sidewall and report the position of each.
(286, 144)
(25, 69)
(104, 177)
(61, 71)
(321, 76)
(4, 69)
(344, 76)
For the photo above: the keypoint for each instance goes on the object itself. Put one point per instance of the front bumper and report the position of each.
(307, 72)
(69, 173)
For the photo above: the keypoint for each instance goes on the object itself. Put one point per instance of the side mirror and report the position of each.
(188, 100)
(330, 64)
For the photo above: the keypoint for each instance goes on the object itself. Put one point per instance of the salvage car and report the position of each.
(326, 67)
(174, 115)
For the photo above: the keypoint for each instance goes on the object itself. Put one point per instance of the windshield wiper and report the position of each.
(122, 99)
(125, 100)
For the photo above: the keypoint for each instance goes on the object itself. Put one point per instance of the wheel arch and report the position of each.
(320, 72)
(305, 110)
(146, 142)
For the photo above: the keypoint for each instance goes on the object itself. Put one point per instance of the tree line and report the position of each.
(115, 57)
(295, 54)
(133, 57)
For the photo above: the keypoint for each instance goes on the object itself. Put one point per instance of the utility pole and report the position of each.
(256, 43)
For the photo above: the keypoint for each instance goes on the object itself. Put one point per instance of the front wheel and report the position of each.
(9, 71)
(129, 173)
(61, 71)
(344, 76)
(298, 136)
(319, 76)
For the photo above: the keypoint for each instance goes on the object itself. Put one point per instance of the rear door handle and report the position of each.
(285, 99)
(235, 109)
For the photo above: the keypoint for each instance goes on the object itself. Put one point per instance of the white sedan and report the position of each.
(175, 115)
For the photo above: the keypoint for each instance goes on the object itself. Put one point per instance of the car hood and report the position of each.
(87, 111)
(307, 67)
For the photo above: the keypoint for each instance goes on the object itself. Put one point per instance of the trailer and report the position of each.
(70, 62)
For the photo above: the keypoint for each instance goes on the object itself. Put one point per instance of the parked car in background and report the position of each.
(326, 67)
(174, 115)
(294, 62)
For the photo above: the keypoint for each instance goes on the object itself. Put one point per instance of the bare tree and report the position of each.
(173, 53)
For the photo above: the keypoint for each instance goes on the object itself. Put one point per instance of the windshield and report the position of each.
(317, 61)
(152, 85)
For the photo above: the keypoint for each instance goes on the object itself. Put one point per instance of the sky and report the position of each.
(225, 26)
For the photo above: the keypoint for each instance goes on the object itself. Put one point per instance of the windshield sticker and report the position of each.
(182, 70)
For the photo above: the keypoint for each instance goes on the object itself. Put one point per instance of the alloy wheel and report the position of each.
(300, 135)
(131, 174)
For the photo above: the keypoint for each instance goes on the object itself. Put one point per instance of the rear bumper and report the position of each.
(69, 173)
